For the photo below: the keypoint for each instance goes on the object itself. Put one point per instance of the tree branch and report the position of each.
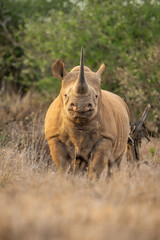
(6, 32)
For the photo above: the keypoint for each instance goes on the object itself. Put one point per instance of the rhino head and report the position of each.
(80, 92)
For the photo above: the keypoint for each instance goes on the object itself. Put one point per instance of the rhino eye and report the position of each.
(96, 96)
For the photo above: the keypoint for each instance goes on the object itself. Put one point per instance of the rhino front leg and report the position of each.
(59, 154)
(101, 157)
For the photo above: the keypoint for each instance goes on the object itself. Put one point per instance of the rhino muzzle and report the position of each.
(86, 108)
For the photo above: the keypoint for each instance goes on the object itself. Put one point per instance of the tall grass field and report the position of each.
(37, 203)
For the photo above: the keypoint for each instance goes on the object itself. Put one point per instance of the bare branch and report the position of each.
(7, 34)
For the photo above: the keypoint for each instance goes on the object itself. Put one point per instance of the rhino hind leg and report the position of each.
(115, 165)
(118, 161)
(79, 166)
(82, 164)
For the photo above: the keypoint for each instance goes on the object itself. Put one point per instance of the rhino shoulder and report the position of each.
(53, 120)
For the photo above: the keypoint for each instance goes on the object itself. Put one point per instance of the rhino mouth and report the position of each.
(79, 116)
(81, 112)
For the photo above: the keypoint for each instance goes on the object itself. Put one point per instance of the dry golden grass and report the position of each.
(38, 203)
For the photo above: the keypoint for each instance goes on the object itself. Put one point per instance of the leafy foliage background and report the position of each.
(123, 34)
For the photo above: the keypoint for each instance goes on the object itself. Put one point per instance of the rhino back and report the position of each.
(114, 116)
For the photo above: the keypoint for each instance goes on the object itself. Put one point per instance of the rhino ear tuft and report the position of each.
(58, 69)
(101, 69)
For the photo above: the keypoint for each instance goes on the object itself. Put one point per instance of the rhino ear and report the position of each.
(101, 69)
(58, 69)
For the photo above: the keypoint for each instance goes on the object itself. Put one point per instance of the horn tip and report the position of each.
(81, 50)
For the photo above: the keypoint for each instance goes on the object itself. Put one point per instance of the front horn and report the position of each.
(81, 85)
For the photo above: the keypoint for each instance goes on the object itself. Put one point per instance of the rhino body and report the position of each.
(86, 127)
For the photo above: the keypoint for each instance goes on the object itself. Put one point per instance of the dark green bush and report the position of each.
(123, 34)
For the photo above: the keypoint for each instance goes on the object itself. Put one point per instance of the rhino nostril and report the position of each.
(73, 106)
(89, 105)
